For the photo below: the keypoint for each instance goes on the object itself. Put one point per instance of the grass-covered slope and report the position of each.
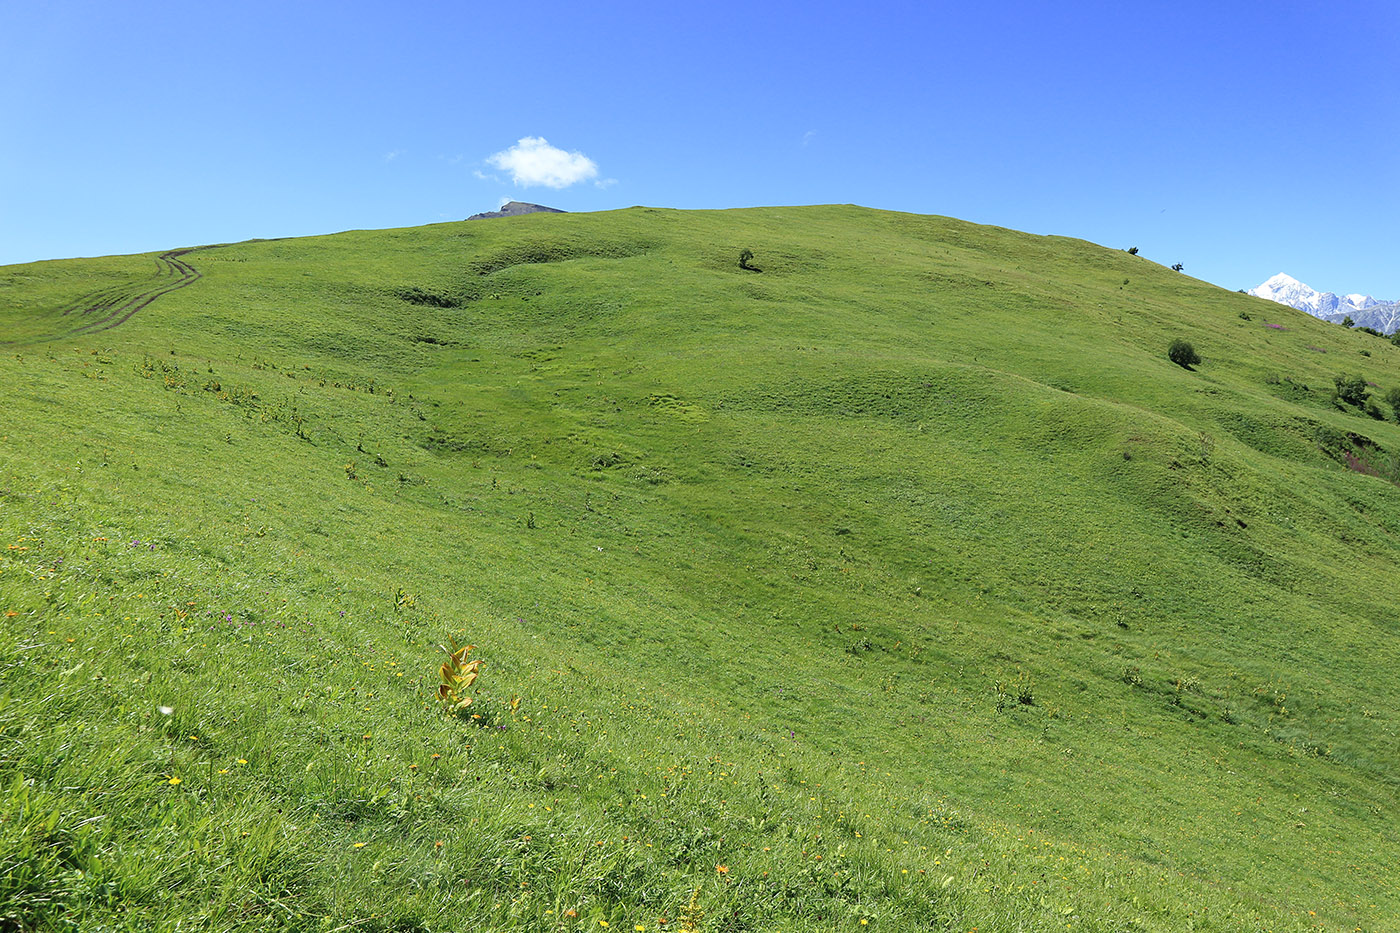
(903, 583)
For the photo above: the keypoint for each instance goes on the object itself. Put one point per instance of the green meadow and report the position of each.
(901, 583)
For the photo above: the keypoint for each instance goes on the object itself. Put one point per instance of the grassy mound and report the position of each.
(905, 583)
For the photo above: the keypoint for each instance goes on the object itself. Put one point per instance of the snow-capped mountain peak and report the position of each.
(1287, 290)
(1283, 280)
(1364, 310)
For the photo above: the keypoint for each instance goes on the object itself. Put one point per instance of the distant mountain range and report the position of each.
(1363, 310)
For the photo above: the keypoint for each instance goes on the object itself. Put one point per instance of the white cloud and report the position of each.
(391, 156)
(807, 137)
(533, 161)
(605, 183)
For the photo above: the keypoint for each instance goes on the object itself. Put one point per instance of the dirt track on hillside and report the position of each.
(114, 306)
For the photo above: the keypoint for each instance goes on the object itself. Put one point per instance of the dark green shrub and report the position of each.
(1182, 353)
(1392, 398)
(745, 257)
(1132, 250)
(1351, 390)
(1178, 267)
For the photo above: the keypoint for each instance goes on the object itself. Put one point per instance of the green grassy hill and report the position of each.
(902, 584)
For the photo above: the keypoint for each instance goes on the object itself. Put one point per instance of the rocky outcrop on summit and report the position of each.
(515, 209)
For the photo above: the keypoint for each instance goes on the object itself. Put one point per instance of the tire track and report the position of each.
(114, 305)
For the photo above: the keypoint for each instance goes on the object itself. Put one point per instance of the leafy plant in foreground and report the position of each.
(692, 915)
(458, 675)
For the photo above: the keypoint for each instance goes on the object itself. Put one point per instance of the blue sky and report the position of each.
(1239, 138)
